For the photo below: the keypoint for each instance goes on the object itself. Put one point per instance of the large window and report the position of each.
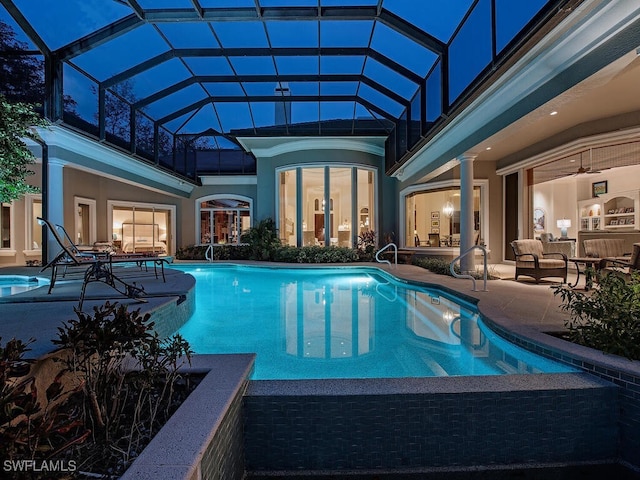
(5, 226)
(140, 228)
(432, 216)
(332, 205)
(33, 204)
(223, 219)
(287, 218)
(85, 221)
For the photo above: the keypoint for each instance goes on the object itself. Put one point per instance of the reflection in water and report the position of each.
(334, 318)
(328, 319)
(344, 323)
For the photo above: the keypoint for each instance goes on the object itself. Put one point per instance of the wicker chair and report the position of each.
(533, 262)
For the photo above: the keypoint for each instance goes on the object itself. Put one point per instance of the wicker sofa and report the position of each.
(533, 262)
(605, 248)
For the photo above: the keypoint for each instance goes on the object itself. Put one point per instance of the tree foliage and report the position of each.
(22, 72)
(16, 122)
(21, 75)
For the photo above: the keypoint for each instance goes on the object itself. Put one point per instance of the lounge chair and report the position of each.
(533, 262)
(99, 265)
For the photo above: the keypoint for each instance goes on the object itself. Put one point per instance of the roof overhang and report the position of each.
(591, 37)
(88, 155)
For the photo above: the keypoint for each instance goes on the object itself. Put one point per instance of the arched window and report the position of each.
(223, 218)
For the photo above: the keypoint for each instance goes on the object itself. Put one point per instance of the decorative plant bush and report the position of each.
(192, 252)
(220, 252)
(319, 254)
(115, 383)
(262, 239)
(121, 405)
(435, 265)
(367, 246)
(606, 318)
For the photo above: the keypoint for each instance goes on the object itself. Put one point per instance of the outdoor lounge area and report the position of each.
(146, 142)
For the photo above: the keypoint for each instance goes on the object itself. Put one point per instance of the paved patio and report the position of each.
(36, 314)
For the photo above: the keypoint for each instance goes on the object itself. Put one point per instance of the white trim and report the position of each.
(217, 196)
(229, 180)
(93, 227)
(287, 145)
(428, 187)
(171, 246)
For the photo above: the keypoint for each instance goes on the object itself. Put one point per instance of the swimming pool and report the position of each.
(350, 322)
(14, 284)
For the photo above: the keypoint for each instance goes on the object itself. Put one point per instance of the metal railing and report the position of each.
(208, 255)
(464, 254)
(395, 257)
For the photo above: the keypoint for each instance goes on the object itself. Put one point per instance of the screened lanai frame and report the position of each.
(185, 77)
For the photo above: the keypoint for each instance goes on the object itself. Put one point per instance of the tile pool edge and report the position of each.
(426, 423)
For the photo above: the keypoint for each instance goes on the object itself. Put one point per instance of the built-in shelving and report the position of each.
(614, 211)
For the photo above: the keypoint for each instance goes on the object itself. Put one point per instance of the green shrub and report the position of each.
(315, 254)
(367, 246)
(318, 254)
(121, 408)
(192, 252)
(262, 240)
(436, 265)
(608, 317)
(220, 252)
(287, 254)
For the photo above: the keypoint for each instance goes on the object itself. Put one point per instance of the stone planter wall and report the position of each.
(204, 438)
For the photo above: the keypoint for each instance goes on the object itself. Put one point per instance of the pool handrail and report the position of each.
(388, 245)
(464, 254)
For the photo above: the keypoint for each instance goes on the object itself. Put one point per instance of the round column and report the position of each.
(467, 263)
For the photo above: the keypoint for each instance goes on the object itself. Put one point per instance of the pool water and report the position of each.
(345, 323)
(14, 284)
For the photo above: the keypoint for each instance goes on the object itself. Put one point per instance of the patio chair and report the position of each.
(434, 239)
(533, 262)
(99, 266)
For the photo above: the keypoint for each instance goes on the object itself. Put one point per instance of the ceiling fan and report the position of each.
(582, 169)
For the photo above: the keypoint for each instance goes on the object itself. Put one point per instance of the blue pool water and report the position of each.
(344, 323)
(13, 284)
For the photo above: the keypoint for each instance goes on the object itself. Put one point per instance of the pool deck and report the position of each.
(524, 308)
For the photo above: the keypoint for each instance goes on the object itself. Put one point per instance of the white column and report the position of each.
(55, 200)
(467, 264)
